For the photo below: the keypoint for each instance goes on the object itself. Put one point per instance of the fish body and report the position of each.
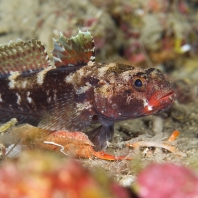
(77, 90)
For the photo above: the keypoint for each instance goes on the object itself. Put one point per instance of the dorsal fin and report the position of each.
(74, 51)
(23, 56)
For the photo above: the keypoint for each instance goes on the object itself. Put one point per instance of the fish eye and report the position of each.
(138, 83)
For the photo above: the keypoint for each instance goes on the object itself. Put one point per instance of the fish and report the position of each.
(73, 91)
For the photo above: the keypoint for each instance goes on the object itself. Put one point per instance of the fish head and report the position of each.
(133, 92)
(158, 93)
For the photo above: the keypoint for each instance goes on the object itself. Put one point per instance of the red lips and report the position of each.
(159, 100)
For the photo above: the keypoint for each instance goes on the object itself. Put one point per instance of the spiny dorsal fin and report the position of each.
(23, 56)
(74, 51)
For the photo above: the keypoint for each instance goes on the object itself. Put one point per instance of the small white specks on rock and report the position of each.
(127, 180)
(158, 124)
(13, 151)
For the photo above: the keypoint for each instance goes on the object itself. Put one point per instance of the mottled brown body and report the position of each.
(77, 90)
(30, 97)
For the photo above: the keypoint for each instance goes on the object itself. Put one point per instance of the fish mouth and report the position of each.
(170, 95)
(159, 102)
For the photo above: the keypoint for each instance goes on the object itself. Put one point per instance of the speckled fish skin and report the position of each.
(77, 90)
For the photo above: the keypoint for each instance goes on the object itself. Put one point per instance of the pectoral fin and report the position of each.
(100, 136)
(68, 115)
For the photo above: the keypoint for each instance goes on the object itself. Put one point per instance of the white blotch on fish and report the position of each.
(18, 99)
(29, 99)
